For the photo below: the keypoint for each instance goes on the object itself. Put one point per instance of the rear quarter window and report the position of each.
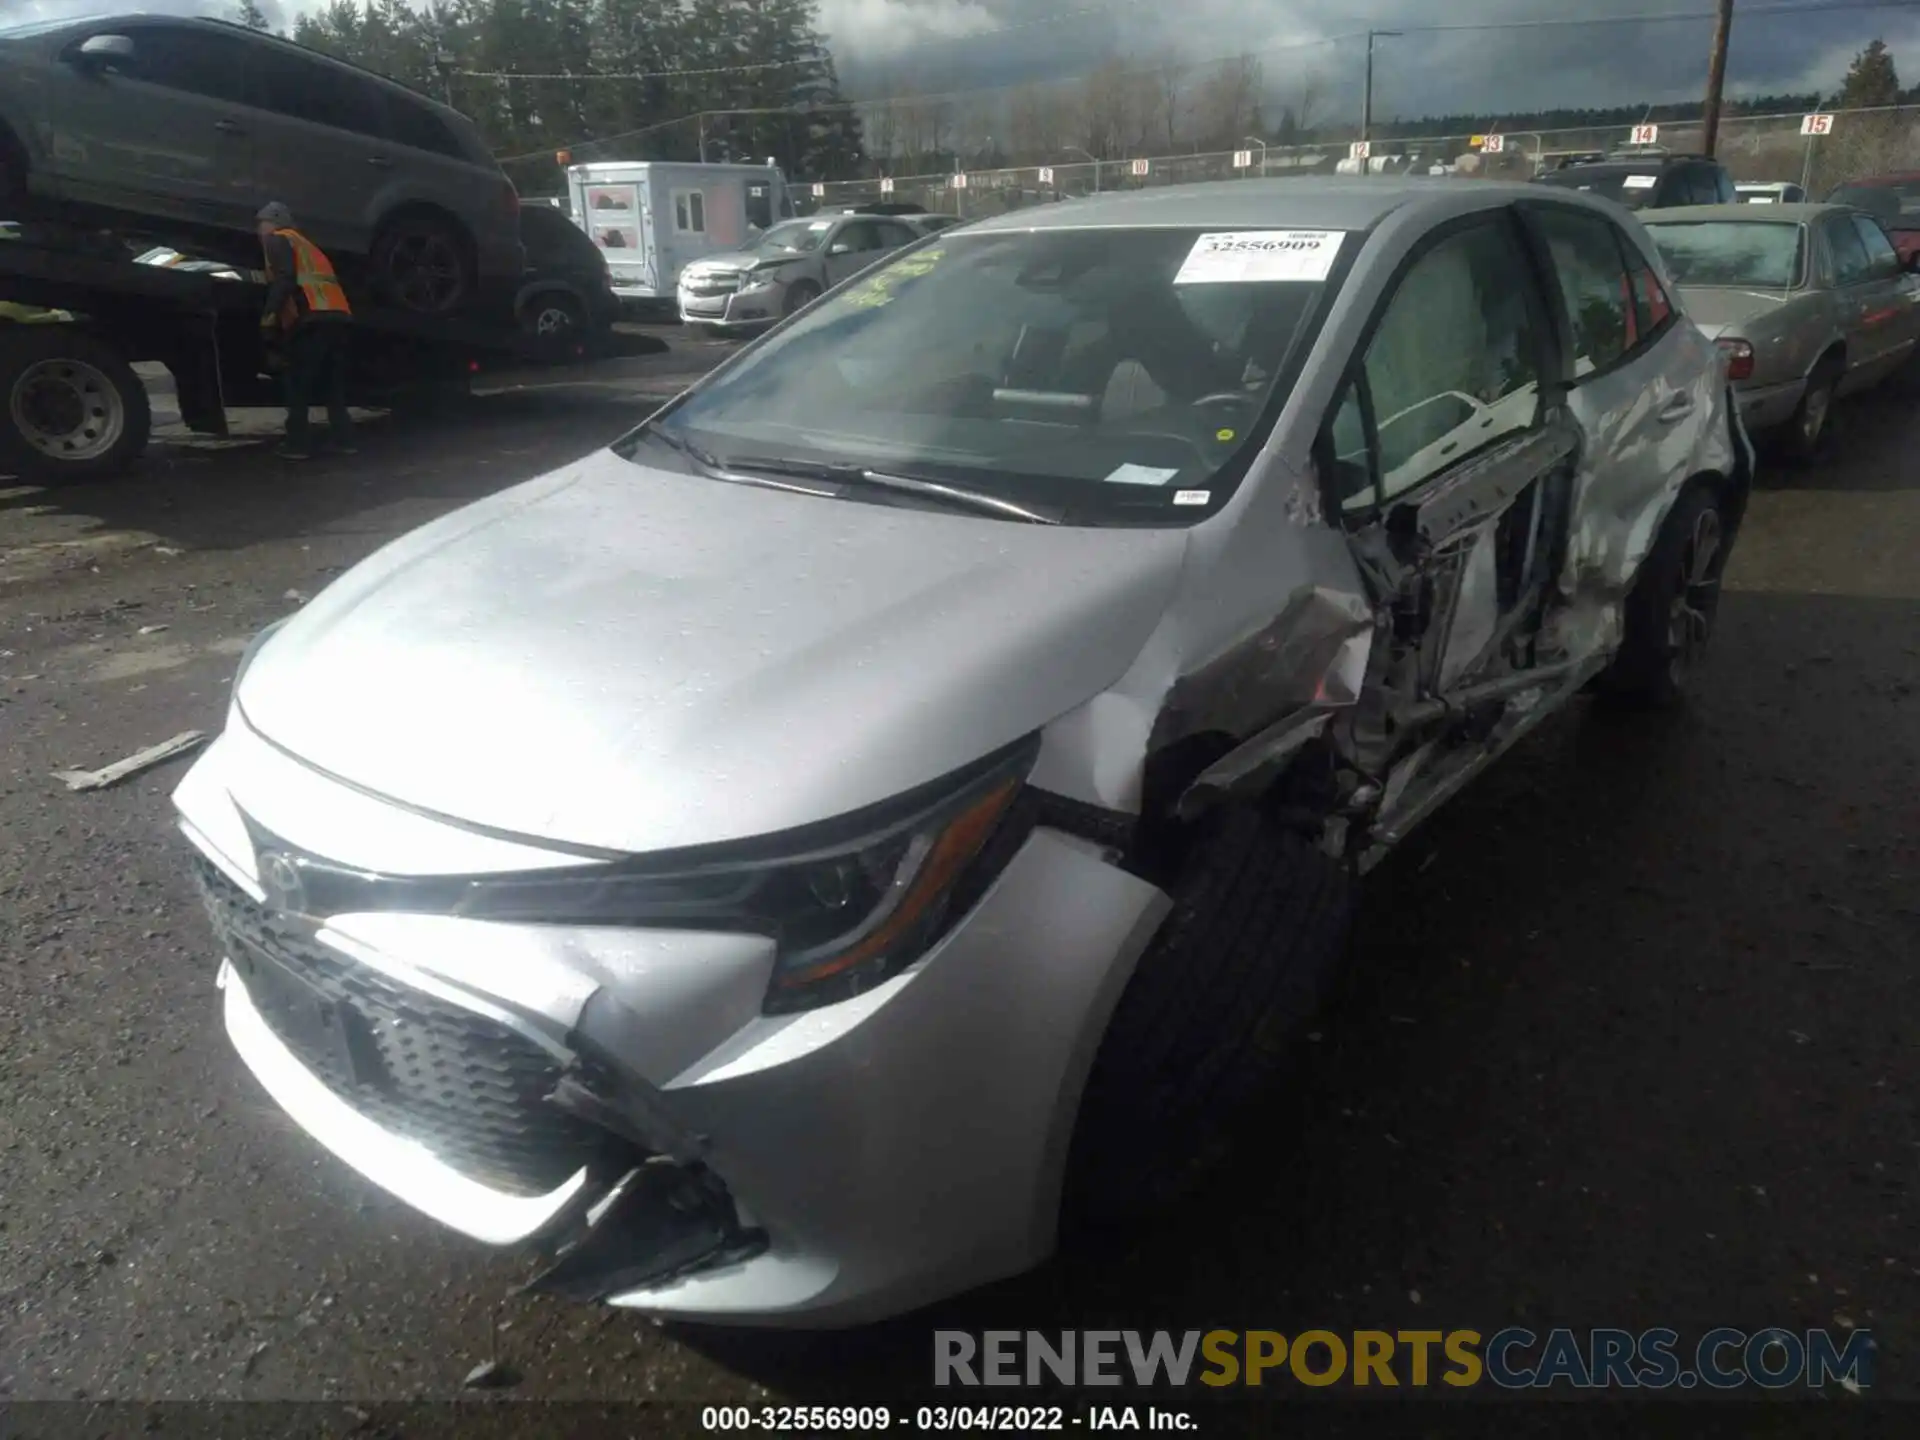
(416, 125)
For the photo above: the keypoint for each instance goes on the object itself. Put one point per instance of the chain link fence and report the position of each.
(1753, 147)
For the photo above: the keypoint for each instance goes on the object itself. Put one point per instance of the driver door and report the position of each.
(1451, 452)
(852, 248)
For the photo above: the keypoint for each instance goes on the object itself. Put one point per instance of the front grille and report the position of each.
(469, 1089)
(713, 284)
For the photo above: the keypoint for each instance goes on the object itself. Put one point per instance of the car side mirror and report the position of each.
(102, 52)
(841, 249)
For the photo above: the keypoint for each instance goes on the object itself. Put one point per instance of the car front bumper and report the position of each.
(758, 306)
(863, 1158)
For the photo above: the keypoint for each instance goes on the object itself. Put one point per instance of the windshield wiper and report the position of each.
(856, 475)
(686, 447)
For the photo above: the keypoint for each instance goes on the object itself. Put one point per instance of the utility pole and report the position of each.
(1716, 77)
(1366, 107)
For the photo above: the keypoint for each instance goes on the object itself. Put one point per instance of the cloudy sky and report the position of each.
(895, 45)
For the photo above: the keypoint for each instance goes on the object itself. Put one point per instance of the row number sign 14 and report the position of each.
(1645, 135)
(1816, 125)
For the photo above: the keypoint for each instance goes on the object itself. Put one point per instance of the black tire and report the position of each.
(71, 409)
(1671, 608)
(422, 264)
(1259, 924)
(1805, 437)
(554, 320)
(800, 294)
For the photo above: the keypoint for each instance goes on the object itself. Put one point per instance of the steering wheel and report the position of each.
(1237, 398)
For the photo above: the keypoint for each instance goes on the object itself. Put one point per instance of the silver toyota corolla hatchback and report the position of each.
(909, 789)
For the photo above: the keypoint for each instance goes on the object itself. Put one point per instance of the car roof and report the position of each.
(1892, 177)
(1352, 204)
(228, 27)
(1754, 215)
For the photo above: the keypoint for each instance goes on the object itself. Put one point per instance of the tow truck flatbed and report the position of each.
(71, 406)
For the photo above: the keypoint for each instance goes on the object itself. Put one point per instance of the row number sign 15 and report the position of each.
(1816, 125)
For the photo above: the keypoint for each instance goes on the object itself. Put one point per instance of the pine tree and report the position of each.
(252, 16)
(1871, 79)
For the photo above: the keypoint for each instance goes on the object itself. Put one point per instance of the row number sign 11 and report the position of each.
(886, 184)
(1242, 159)
(1646, 135)
(1816, 125)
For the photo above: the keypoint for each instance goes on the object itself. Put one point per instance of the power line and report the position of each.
(1778, 7)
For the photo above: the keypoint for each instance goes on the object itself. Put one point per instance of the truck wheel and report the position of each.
(421, 265)
(1670, 610)
(1260, 921)
(70, 407)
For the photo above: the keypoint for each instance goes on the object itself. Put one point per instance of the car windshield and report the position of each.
(798, 237)
(1113, 376)
(1893, 202)
(1631, 188)
(1744, 254)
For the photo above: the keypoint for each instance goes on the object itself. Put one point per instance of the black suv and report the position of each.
(1648, 181)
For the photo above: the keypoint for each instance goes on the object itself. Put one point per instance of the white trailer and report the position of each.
(655, 217)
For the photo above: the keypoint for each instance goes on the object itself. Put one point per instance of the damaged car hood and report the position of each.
(622, 657)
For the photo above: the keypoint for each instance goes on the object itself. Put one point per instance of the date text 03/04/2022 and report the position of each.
(1010, 1419)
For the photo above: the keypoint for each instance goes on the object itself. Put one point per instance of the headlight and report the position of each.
(848, 903)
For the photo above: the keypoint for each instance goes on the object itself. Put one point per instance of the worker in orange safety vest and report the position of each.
(308, 315)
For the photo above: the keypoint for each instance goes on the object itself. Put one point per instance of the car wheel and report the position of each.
(800, 294)
(1260, 921)
(1671, 608)
(70, 407)
(1807, 433)
(421, 264)
(553, 319)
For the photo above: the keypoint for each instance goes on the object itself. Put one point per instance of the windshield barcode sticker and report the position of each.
(1192, 497)
(1640, 182)
(1260, 256)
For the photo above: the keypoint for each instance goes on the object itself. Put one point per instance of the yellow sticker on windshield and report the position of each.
(879, 290)
(1223, 436)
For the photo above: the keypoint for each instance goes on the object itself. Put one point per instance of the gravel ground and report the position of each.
(1628, 1043)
